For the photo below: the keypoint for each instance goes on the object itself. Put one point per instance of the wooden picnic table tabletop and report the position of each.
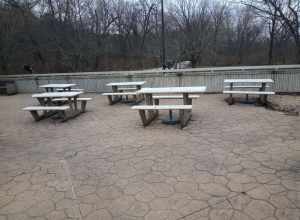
(192, 89)
(248, 81)
(56, 95)
(138, 83)
(58, 85)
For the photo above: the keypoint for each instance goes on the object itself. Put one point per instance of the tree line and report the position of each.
(94, 35)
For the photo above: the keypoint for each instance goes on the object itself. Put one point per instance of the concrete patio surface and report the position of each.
(234, 162)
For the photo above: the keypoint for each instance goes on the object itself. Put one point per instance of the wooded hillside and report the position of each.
(96, 35)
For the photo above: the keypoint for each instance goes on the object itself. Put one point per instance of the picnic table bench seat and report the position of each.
(246, 86)
(73, 90)
(126, 89)
(262, 94)
(184, 116)
(47, 111)
(174, 96)
(83, 101)
(249, 92)
(118, 93)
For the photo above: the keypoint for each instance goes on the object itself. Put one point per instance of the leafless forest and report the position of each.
(97, 35)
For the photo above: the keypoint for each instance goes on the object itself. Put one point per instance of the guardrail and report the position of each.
(286, 78)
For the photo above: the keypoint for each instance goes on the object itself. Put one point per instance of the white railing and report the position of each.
(286, 78)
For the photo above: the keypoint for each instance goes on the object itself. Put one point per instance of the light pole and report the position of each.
(163, 43)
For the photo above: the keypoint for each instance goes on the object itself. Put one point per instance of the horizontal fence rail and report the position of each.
(286, 78)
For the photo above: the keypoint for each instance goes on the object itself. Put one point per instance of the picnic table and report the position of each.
(120, 89)
(64, 87)
(260, 84)
(263, 83)
(49, 107)
(184, 91)
(184, 110)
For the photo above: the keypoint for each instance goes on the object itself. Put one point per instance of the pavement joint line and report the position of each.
(67, 170)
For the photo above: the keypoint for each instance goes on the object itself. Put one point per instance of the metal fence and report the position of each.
(286, 78)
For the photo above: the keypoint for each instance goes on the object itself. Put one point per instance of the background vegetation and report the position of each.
(95, 35)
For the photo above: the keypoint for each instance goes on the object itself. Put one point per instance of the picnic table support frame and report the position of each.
(146, 121)
(74, 109)
(149, 101)
(152, 104)
(72, 102)
(184, 117)
(46, 114)
(139, 97)
(231, 99)
(263, 98)
(113, 100)
(36, 116)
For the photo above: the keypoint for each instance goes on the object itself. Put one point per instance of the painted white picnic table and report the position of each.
(263, 83)
(248, 81)
(64, 86)
(185, 91)
(46, 99)
(120, 89)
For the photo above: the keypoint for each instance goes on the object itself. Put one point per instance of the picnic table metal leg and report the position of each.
(262, 98)
(70, 103)
(75, 103)
(140, 96)
(73, 109)
(35, 115)
(170, 114)
(135, 99)
(231, 100)
(143, 117)
(41, 101)
(115, 99)
(149, 101)
(110, 99)
(83, 105)
(184, 117)
(146, 121)
(187, 100)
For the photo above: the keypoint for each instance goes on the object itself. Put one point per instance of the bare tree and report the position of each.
(193, 22)
(218, 13)
(287, 11)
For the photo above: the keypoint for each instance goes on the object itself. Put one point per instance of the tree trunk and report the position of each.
(298, 52)
(270, 54)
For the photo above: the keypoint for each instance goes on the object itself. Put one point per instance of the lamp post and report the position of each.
(163, 43)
